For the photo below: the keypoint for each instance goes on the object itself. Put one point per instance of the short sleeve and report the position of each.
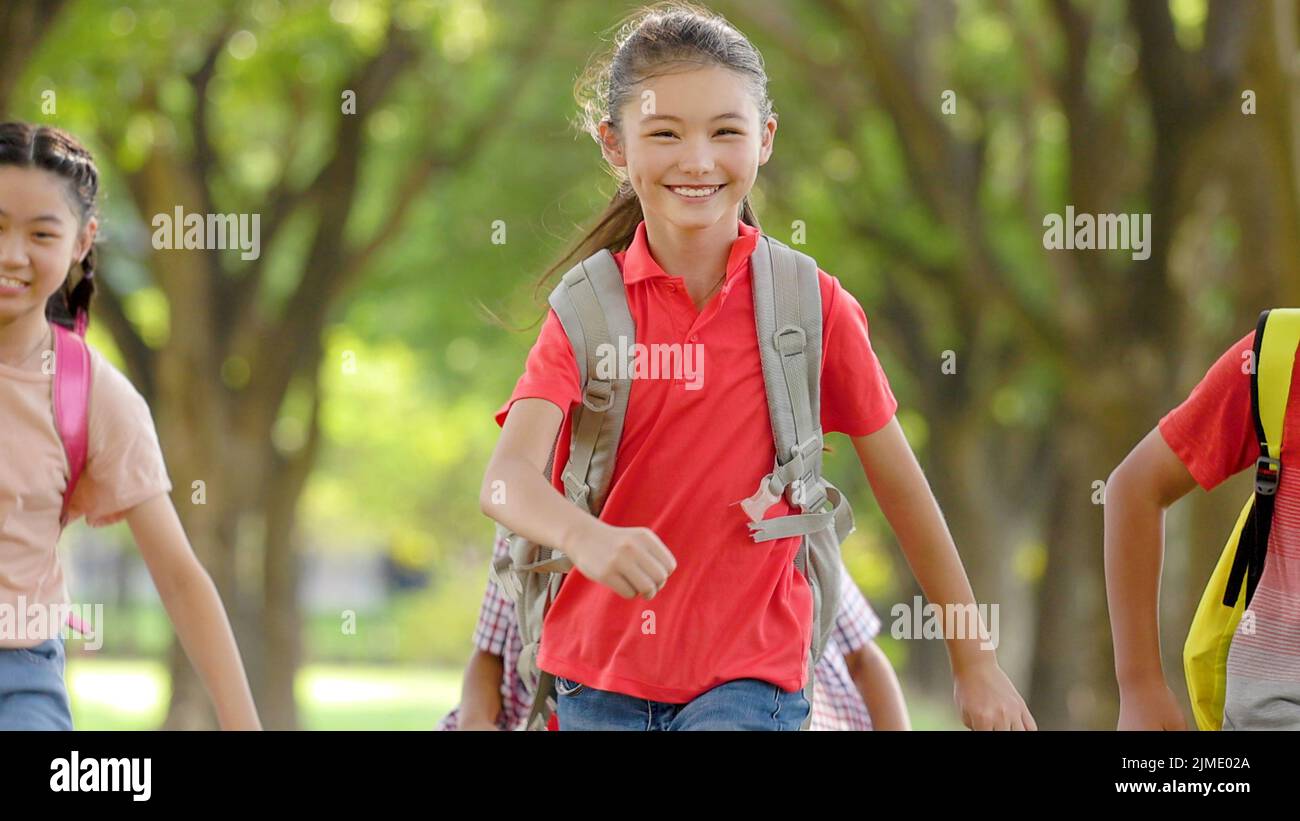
(1213, 430)
(856, 625)
(855, 395)
(124, 462)
(550, 372)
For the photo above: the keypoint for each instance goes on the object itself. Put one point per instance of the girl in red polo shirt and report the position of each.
(719, 636)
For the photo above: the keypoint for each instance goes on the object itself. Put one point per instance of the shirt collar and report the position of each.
(638, 264)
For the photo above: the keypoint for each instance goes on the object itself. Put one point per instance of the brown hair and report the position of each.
(647, 44)
(55, 150)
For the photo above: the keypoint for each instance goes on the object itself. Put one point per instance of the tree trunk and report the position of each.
(23, 25)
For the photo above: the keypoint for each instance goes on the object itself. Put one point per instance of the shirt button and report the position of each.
(694, 337)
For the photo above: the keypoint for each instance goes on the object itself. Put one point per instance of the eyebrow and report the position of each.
(728, 116)
(42, 218)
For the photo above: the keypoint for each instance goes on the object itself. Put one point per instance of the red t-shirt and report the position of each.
(1213, 430)
(690, 451)
(1213, 433)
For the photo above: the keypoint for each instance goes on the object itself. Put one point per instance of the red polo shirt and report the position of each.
(733, 608)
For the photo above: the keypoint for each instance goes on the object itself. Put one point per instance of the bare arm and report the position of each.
(516, 492)
(878, 685)
(984, 695)
(196, 611)
(480, 692)
(1149, 480)
(630, 560)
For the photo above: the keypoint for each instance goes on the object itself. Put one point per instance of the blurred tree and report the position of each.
(1113, 332)
(384, 222)
(281, 112)
(23, 25)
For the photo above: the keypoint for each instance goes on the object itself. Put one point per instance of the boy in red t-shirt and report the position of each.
(1208, 438)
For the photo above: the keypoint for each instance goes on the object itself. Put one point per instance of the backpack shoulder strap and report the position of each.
(1277, 337)
(788, 320)
(591, 302)
(71, 393)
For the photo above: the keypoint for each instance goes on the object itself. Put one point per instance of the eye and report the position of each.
(663, 134)
(728, 131)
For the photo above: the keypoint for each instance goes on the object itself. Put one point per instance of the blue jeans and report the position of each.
(32, 693)
(743, 704)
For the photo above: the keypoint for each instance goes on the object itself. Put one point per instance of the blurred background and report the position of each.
(330, 402)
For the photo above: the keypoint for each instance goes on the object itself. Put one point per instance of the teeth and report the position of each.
(696, 192)
(8, 282)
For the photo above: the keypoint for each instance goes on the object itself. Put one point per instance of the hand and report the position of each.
(1149, 706)
(989, 701)
(631, 561)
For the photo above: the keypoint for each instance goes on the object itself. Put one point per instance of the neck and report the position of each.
(20, 336)
(698, 256)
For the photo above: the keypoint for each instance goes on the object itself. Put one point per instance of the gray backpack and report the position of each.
(591, 304)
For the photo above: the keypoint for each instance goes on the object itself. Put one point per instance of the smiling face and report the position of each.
(41, 238)
(691, 142)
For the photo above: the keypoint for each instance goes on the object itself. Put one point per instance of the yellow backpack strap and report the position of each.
(1277, 337)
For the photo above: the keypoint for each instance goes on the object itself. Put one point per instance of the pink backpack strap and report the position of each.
(71, 402)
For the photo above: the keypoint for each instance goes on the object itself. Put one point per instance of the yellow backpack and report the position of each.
(1205, 655)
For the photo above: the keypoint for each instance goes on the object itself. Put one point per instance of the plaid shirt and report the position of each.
(837, 705)
(497, 633)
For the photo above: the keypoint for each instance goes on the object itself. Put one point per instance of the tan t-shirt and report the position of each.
(124, 467)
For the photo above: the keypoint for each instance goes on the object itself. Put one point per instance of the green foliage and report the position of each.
(412, 369)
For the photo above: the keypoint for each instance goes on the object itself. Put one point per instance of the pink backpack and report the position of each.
(72, 412)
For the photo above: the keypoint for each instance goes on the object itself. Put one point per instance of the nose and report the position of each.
(13, 251)
(697, 158)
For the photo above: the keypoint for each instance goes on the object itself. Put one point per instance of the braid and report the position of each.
(79, 298)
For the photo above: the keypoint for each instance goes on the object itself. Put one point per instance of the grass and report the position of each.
(132, 694)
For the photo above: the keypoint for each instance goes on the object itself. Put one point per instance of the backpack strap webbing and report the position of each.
(788, 320)
(71, 397)
(591, 303)
(1277, 337)
(544, 705)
